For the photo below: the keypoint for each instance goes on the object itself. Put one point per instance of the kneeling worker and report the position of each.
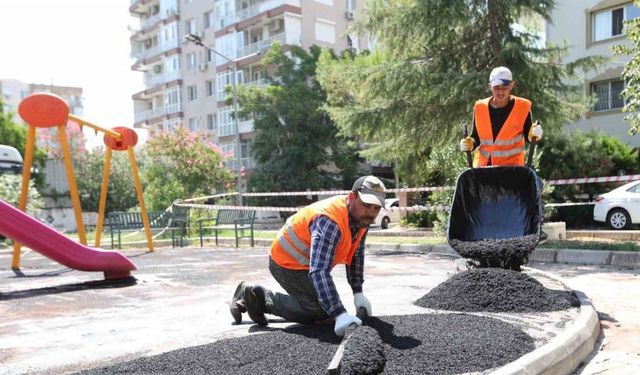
(312, 242)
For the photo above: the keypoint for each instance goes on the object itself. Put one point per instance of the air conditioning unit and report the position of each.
(157, 69)
(171, 12)
(350, 14)
(202, 67)
(276, 26)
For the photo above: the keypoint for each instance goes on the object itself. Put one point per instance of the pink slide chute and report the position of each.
(39, 237)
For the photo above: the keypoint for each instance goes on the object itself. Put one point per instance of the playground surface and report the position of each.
(58, 320)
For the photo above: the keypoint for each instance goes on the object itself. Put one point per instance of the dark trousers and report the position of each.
(301, 304)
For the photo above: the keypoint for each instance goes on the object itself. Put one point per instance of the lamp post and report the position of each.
(198, 41)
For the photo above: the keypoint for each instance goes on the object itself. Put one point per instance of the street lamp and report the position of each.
(198, 41)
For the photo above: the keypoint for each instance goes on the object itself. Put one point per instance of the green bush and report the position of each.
(10, 187)
(574, 216)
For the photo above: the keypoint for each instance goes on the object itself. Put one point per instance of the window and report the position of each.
(190, 26)
(208, 87)
(607, 94)
(325, 31)
(222, 80)
(172, 100)
(194, 124)
(191, 61)
(225, 121)
(229, 149)
(211, 122)
(609, 23)
(208, 19)
(192, 93)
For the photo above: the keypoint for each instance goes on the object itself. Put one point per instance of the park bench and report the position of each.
(130, 221)
(241, 221)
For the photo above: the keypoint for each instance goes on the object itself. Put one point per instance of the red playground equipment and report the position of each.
(45, 110)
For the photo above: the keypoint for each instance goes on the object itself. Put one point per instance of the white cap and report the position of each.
(370, 189)
(500, 76)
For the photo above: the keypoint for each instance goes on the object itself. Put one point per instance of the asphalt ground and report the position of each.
(57, 320)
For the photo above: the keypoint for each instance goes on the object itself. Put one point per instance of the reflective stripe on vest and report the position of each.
(509, 147)
(296, 248)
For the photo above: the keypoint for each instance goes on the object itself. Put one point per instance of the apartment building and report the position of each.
(13, 91)
(184, 83)
(592, 27)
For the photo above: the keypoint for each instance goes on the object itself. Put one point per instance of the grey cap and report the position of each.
(370, 189)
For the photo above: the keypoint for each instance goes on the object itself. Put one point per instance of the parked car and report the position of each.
(386, 216)
(619, 208)
(10, 160)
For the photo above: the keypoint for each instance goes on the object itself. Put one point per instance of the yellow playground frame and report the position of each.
(45, 110)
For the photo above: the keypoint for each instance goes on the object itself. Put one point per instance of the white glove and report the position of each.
(361, 301)
(466, 144)
(343, 321)
(535, 133)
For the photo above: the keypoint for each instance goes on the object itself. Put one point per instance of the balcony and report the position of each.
(153, 51)
(158, 79)
(156, 112)
(263, 44)
(241, 15)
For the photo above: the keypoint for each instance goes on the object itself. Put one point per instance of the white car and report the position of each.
(620, 207)
(10, 160)
(386, 216)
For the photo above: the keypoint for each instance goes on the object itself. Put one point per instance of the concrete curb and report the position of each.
(564, 353)
(624, 259)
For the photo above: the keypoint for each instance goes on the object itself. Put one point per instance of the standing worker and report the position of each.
(313, 241)
(500, 124)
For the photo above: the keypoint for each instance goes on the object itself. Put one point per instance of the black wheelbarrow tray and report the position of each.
(496, 215)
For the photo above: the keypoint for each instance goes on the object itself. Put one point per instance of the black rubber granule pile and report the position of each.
(363, 352)
(505, 249)
(413, 344)
(495, 290)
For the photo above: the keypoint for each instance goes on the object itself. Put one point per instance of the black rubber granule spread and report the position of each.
(413, 344)
(438, 344)
(363, 352)
(495, 290)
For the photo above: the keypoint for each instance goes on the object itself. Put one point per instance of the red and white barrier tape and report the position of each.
(294, 209)
(593, 180)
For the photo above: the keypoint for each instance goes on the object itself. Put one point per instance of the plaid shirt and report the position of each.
(325, 235)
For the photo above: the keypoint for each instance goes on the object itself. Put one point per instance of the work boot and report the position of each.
(255, 304)
(237, 304)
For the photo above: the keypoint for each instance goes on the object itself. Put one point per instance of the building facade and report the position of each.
(13, 91)
(592, 27)
(185, 83)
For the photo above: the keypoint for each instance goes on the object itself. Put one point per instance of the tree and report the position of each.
(121, 193)
(631, 73)
(181, 165)
(297, 145)
(431, 63)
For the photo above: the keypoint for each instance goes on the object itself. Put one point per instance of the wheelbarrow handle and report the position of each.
(465, 134)
(532, 148)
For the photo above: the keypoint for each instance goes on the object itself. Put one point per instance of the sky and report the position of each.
(79, 43)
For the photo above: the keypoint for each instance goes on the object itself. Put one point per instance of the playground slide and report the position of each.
(39, 237)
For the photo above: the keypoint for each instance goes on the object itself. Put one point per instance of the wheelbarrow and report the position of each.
(496, 214)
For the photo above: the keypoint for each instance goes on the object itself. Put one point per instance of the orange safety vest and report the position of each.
(292, 247)
(508, 147)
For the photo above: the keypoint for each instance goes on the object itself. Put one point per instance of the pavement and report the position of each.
(57, 321)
